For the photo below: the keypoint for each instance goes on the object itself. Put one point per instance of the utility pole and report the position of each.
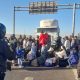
(73, 23)
(14, 21)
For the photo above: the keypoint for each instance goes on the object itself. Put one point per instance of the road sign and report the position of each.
(42, 7)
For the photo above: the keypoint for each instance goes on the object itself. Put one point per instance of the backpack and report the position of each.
(63, 62)
(48, 62)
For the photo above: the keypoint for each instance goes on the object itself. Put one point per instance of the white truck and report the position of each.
(51, 27)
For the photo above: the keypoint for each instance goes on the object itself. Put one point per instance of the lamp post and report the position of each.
(14, 21)
(73, 24)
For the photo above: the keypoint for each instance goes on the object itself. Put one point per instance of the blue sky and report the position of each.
(27, 23)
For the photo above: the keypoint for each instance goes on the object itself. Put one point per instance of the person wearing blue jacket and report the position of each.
(20, 55)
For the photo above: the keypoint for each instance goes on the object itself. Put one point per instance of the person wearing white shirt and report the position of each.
(33, 50)
(61, 53)
(24, 43)
(67, 45)
(62, 57)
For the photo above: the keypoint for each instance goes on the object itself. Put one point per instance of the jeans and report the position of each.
(20, 61)
(2, 76)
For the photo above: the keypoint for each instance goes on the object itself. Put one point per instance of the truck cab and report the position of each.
(51, 27)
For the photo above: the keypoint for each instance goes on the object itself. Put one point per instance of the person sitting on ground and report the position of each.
(51, 60)
(61, 53)
(62, 57)
(32, 54)
(33, 50)
(73, 58)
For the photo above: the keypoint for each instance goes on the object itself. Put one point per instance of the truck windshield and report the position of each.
(47, 30)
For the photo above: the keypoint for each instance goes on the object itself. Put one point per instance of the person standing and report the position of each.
(20, 55)
(20, 40)
(67, 45)
(5, 52)
(42, 39)
(13, 45)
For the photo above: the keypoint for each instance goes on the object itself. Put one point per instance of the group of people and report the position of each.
(38, 51)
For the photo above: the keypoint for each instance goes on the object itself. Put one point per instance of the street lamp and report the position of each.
(14, 21)
(73, 24)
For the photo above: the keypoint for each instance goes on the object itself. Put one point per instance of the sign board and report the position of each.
(42, 7)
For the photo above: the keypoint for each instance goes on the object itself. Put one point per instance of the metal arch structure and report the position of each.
(40, 10)
(14, 12)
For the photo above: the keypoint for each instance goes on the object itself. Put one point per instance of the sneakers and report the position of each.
(20, 66)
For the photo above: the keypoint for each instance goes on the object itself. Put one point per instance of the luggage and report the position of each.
(41, 60)
(63, 62)
(29, 56)
(34, 63)
(48, 62)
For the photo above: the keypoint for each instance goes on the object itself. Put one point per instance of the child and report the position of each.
(20, 55)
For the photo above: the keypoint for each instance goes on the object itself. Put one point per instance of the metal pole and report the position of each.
(14, 21)
(73, 24)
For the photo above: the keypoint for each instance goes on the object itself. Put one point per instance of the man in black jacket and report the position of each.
(5, 52)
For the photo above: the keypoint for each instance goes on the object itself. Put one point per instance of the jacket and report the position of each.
(5, 53)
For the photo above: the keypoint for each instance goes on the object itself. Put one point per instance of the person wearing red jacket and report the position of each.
(42, 39)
